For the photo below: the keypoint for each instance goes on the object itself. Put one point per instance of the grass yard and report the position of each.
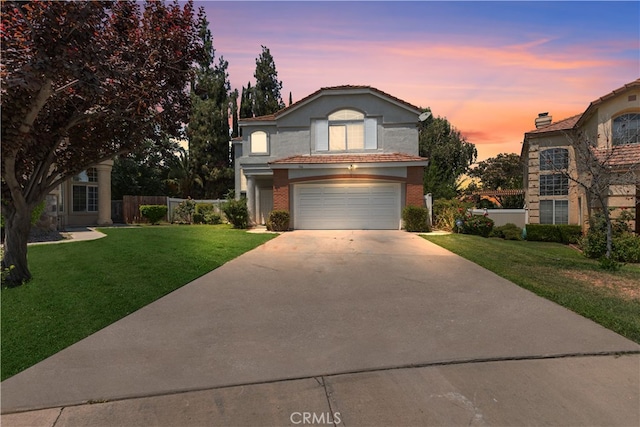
(560, 274)
(81, 287)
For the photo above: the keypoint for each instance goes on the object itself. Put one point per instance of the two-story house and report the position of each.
(343, 157)
(556, 160)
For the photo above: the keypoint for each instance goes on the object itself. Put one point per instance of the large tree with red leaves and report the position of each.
(81, 82)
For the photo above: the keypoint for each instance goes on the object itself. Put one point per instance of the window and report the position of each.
(554, 212)
(84, 197)
(346, 130)
(259, 143)
(626, 129)
(555, 184)
(554, 159)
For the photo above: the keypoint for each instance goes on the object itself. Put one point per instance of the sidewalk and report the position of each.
(76, 234)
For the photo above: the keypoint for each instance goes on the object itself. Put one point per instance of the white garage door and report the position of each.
(347, 206)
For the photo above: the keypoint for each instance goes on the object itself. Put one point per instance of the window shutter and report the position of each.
(322, 135)
(370, 134)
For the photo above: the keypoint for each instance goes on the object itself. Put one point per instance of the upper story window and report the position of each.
(259, 142)
(626, 129)
(346, 130)
(554, 159)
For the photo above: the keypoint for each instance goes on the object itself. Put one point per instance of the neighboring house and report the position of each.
(82, 200)
(551, 157)
(343, 157)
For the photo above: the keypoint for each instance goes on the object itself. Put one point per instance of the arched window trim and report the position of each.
(257, 144)
(625, 128)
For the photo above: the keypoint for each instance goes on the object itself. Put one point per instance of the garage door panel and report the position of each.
(347, 206)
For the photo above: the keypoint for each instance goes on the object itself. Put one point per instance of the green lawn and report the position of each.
(560, 274)
(81, 287)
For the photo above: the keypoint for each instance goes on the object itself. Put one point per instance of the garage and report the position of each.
(347, 206)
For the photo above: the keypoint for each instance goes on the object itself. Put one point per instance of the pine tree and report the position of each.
(208, 128)
(246, 102)
(267, 98)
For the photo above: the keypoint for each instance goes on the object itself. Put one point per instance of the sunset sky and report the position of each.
(488, 67)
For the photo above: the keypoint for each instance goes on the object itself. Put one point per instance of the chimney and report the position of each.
(543, 119)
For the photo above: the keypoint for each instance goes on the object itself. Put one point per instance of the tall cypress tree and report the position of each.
(267, 97)
(208, 129)
(246, 102)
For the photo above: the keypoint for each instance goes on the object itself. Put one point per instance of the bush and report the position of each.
(508, 231)
(278, 221)
(446, 212)
(626, 248)
(416, 218)
(479, 225)
(558, 233)
(183, 214)
(236, 212)
(153, 213)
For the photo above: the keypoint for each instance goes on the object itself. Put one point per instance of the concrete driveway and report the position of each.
(380, 326)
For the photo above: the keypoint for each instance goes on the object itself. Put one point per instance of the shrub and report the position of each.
(236, 212)
(446, 212)
(203, 208)
(153, 213)
(183, 214)
(508, 231)
(416, 218)
(626, 248)
(558, 233)
(212, 218)
(198, 218)
(479, 225)
(278, 221)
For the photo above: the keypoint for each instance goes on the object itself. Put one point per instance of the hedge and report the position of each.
(153, 213)
(558, 233)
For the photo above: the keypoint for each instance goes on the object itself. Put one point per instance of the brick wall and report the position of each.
(415, 194)
(281, 189)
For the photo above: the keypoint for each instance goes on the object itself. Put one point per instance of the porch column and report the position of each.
(251, 198)
(104, 192)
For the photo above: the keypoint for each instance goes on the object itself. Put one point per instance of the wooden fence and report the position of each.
(131, 207)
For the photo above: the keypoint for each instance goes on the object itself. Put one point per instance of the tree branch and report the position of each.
(37, 105)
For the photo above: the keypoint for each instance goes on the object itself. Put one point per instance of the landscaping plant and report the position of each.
(416, 218)
(237, 212)
(153, 213)
(278, 220)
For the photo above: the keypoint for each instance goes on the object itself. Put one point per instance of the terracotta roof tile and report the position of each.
(564, 124)
(510, 192)
(620, 156)
(349, 158)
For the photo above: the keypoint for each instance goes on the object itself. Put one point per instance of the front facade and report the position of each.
(342, 158)
(554, 163)
(83, 200)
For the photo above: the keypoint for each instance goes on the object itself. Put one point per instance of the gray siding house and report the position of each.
(343, 157)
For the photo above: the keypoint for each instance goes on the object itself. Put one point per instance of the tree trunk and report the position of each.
(17, 227)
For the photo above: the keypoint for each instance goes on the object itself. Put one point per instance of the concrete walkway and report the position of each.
(76, 234)
(383, 328)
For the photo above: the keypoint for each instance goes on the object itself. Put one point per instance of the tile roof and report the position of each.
(349, 158)
(511, 192)
(271, 117)
(620, 156)
(564, 124)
